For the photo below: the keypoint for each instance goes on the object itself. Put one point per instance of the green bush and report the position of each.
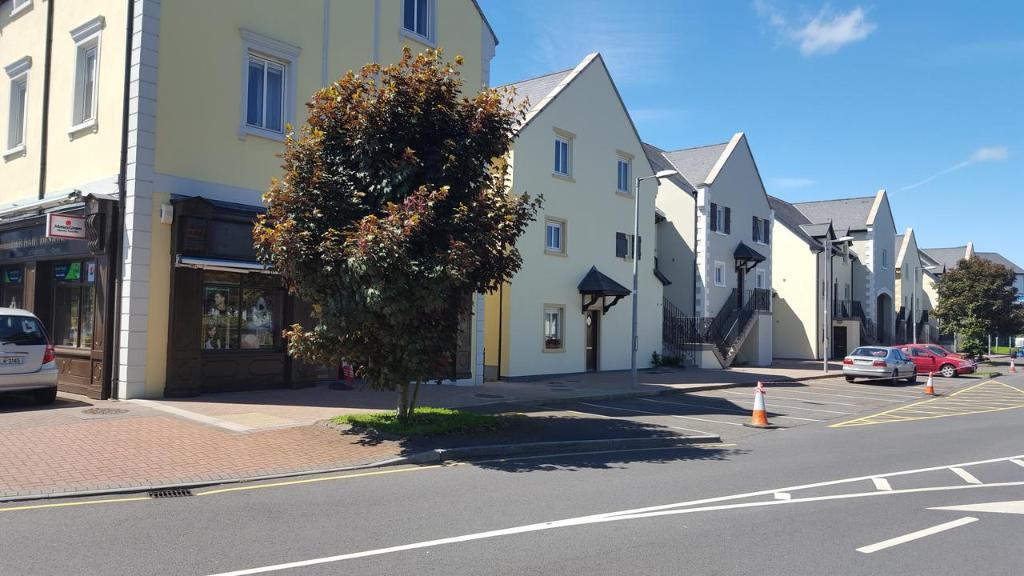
(424, 421)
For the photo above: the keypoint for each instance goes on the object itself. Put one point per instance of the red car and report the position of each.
(932, 358)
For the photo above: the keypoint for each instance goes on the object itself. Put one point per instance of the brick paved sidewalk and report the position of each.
(63, 449)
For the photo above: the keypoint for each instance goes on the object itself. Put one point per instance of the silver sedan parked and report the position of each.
(27, 360)
(879, 363)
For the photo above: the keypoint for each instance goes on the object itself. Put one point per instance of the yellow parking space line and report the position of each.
(988, 396)
(70, 504)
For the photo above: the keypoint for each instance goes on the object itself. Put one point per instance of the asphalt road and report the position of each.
(853, 493)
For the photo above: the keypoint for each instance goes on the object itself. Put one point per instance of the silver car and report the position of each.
(27, 360)
(879, 363)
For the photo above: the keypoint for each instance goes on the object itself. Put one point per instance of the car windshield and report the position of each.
(21, 330)
(875, 352)
(937, 350)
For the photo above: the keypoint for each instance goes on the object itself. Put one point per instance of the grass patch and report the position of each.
(425, 422)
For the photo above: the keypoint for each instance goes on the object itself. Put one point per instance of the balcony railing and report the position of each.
(847, 309)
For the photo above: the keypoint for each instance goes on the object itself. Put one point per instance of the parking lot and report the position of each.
(789, 404)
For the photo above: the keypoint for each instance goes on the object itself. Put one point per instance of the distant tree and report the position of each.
(392, 212)
(977, 298)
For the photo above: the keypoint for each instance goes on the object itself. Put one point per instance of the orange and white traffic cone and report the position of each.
(929, 388)
(1013, 366)
(349, 377)
(759, 418)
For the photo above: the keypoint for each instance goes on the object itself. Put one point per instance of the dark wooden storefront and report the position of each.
(226, 312)
(69, 285)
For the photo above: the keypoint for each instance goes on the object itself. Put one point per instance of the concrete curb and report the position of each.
(435, 456)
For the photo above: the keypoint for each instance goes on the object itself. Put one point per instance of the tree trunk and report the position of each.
(403, 401)
(415, 395)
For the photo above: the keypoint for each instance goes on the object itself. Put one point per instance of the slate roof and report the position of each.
(1000, 259)
(695, 164)
(794, 220)
(656, 156)
(845, 214)
(746, 253)
(536, 89)
(598, 284)
(948, 258)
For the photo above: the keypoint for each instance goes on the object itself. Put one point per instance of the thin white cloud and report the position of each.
(791, 183)
(825, 33)
(979, 156)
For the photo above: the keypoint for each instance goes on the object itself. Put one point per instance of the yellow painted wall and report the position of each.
(675, 244)
(159, 299)
(589, 108)
(96, 155)
(22, 35)
(199, 110)
(496, 328)
(795, 310)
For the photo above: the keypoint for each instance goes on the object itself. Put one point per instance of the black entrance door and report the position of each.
(593, 321)
(839, 342)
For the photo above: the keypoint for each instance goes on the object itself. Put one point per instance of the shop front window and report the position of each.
(241, 311)
(73, 303)
(12, 291)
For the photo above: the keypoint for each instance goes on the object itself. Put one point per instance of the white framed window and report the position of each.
(85, 99)
(626, 246)
(759, 279)
(554, 236)
(719, 273)
(554, 328)
(418, 18)
(721, 218)
(562, 156)
(761, 230)
(624, 169)
(268, 85)
(19, 6)
(18, 106)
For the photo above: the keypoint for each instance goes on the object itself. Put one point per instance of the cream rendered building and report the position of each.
(870, 222)
(914, 306)
(176, 126)
(718, 211)
(568, 309)
(801, 279)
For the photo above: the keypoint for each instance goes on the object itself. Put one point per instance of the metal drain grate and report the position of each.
(170, 493)
(104, 411)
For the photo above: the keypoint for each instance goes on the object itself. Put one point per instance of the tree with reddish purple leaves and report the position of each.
(392, 212)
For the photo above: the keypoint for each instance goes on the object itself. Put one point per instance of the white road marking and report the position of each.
(783, 496)
(731, 410)
(871, 391)
(1017, 462)
(1008, 507)
(194, 416)
(775, 394)
(584, 520)
(916, 535)
(660, 414)
(882, 484)
(619, 418)
(679, 508)
(967, 476)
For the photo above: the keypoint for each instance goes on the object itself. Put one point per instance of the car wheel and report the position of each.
(849, 378)
(913, 378)
(47, 396)
(947, 371)
(894, 378)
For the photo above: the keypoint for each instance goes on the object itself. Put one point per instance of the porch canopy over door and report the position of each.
(596, 287)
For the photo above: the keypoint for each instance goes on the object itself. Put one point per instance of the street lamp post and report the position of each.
(827, 347)
(636, 235)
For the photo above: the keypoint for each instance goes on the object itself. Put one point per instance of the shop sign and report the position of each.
(12, 276)
(32, 242)
(65, 226)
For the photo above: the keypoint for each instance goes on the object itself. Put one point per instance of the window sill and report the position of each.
(553, 350)
(717, 285)
(625, 194)
(87, 127)
(21, 10)
(551, 252)
(245, 130)
(416, 36)
(561, 176)
(719, 233)
(16, 152)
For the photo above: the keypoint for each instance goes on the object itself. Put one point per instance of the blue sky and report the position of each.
(838, 99)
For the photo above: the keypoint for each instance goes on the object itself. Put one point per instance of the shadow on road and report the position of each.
(607, 460)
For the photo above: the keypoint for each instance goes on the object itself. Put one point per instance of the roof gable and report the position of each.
(696, 164)
(903, 243)
(948, 258)
(998, 258)
(849, 214)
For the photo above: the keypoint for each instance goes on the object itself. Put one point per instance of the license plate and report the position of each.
(6, 360)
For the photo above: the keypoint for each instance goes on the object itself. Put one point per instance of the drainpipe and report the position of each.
(46, 99)
(694, 303)
(114, 325)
